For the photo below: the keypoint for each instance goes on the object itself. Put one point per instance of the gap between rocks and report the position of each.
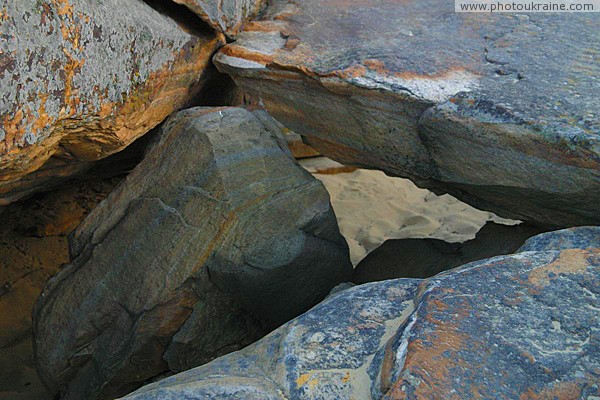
(183, 16)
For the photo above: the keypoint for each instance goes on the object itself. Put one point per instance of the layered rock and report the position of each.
(515, 326)
(498, 110)
(216, 237)
(227, 16)
(82, 79)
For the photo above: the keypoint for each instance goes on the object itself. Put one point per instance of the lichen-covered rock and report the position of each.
(519, 326)
(522, 326)
(583, 237)
(323, 354)
(81, 79)
(227, 16)
(498, 110)
(214, 239)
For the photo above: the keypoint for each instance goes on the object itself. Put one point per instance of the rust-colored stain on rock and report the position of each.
(81, 109)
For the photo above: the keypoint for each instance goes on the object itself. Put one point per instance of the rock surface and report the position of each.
(324, 354)
(498, 110)
(82, 79)
(214, 239)
(227, 16)
(423, 258)
(516, 326)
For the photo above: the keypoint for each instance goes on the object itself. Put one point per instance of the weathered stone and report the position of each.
(81, 79)
(423, 258)
(323, 354)
(215, 238)
(517, 326)
(584, 237)
(227, 16)
(499, 110)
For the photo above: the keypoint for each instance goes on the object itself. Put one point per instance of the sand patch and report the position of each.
(372, 207)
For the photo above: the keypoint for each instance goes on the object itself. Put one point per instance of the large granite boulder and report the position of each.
(214, 239)
(499, 110)
(516, 326)
(82, 79)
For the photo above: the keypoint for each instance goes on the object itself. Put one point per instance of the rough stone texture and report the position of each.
(323, 354)
(227, 16)
(498, 110)
(585, 237)
(519, 326)
(423, 258)
(215, 238)
(522, 326)
(298, 148)
(81, 79)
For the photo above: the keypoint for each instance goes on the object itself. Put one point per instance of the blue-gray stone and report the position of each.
(518, 326)
(585, 237)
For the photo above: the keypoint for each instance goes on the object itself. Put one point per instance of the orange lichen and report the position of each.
(559, 391)
(570, 261)
(432, 358)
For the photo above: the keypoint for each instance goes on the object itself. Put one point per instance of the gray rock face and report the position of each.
(226, 16)
(82, 79)
(585, 237)
(323, 354)
(498, 110)
(215, 238)
(516, 326)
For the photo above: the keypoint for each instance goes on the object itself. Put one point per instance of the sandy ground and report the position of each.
(372, 207)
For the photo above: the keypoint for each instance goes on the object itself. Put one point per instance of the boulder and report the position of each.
(324, 354)
(498, 110)
(518, 326)
(584, 237)
(214, 239)
(82, 79)
(423, 258)
(226, 16)
(514, 326)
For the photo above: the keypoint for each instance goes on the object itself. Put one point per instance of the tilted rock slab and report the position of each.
(214, 239)
(81, 79)
(226, 16)
(517, 326)
(499, 110)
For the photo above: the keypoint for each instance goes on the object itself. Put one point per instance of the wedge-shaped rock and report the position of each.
(214, 239)
(81, 79)
(515, 327)
(227, 16)
(499, 110)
